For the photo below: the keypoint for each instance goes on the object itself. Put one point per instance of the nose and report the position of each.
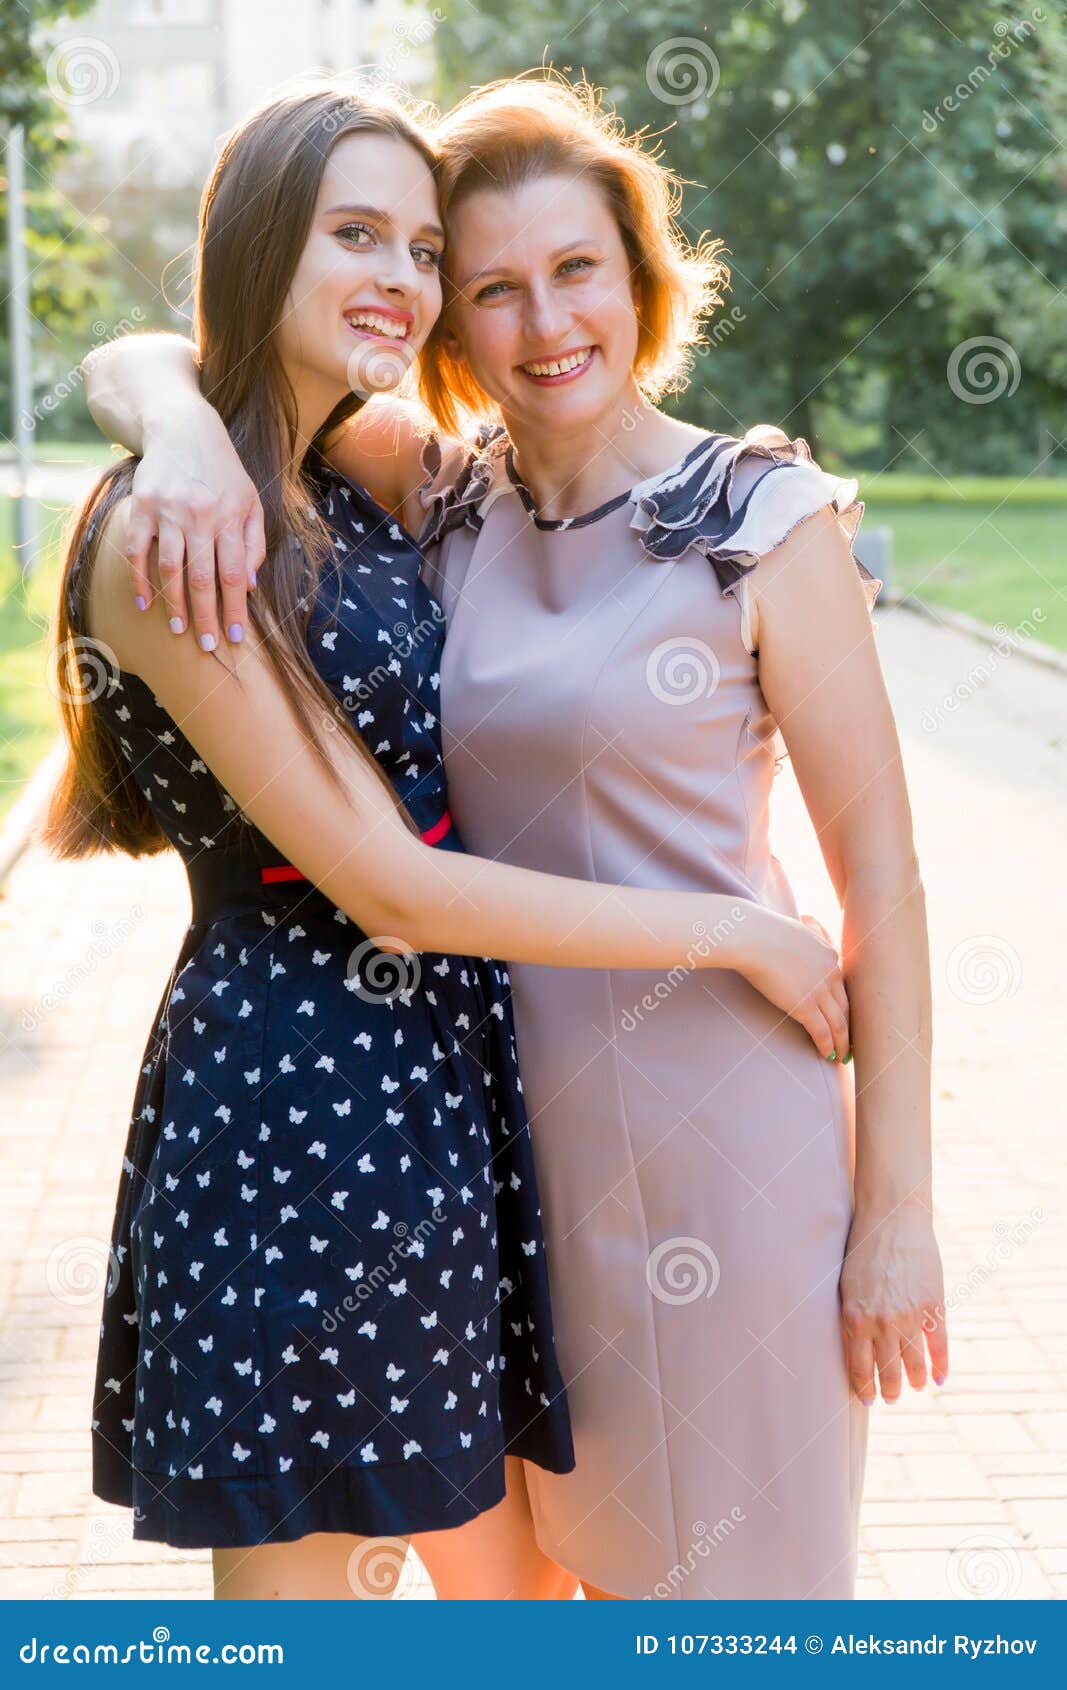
(545, 318)
(400, 274)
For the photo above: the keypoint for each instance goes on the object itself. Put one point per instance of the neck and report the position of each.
(315, 399)
(569, 473)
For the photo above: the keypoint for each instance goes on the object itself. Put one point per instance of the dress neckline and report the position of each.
(549, 523)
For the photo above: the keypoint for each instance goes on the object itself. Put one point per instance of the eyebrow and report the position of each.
(382, 216)
(496, 269)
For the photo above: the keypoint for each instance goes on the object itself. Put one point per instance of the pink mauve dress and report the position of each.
(602, 718)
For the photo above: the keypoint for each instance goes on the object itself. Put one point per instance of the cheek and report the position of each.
(488, 338)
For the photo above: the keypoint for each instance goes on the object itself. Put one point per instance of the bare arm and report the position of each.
(348, 839)
(191, 493)
(820, 674)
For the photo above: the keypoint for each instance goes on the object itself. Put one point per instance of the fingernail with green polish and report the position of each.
(832, 1056)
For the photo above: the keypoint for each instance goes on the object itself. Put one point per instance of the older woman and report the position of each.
(640, 613)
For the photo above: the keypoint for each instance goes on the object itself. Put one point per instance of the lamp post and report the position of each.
(21, 378)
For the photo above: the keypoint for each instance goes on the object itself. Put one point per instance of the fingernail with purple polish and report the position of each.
(176, 625)
(235, 633)
(140, 603)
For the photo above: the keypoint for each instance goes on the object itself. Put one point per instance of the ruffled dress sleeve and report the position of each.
(458, 477)
(740, 498)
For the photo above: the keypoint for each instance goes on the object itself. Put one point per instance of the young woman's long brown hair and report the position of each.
(255, 217)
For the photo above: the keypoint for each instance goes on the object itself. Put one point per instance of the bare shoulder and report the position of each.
(381, 449)
(110, 608)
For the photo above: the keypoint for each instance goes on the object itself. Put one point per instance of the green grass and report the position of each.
(999, 562)
(95, 450)
(965, 490)
(28, 717)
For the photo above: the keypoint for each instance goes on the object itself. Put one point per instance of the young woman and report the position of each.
(329, 1314)
(736, 1250)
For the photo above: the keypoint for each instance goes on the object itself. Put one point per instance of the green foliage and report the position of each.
(889, 183)
(70, 291)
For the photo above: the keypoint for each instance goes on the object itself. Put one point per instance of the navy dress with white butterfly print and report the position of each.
(328, 1305)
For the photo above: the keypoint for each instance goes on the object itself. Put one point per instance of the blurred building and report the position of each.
(162, 80)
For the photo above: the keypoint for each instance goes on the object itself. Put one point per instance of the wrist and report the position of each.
(729, 933)
(169, 420)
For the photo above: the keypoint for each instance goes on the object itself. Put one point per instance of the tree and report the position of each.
(69, 288)
(889, 183)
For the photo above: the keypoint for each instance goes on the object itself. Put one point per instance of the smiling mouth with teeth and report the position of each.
(373, 323)
(561, 366)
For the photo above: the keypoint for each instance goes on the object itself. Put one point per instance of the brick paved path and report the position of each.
(966, 1488)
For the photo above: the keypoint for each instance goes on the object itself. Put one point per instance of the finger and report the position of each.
(840, 991)
(171, 566)
(203, 587)
(837, 1019)
(887, 1356)
(913, 1355)
(817, 927)
(861, 1365)
(937, 1343)
(233, 580)
(813, 1019)
(140, 533)
(255, 541)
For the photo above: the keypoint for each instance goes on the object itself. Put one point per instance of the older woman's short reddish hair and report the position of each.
(520, 128)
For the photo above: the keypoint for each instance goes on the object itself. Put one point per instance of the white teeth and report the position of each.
(378, 325)
(560, 366)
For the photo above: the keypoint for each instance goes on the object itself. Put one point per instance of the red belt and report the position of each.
(285, 871)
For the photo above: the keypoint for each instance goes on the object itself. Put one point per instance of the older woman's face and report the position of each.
(545, 315)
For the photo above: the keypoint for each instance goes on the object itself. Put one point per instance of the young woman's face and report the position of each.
(545, 315)
(367, 289)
